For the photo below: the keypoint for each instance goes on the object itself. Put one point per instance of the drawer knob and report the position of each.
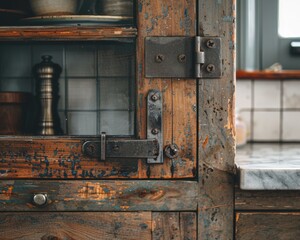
(40, 199)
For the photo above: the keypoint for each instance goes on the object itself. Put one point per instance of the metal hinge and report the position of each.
(150, 148)
(183, 57)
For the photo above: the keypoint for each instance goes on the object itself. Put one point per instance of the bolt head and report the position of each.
(154, 131)
(159, 58)
(181, 58)
(210, 43)
(154, 97)
(210, 68)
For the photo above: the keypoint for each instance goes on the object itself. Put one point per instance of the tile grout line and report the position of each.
(281, 112)
(252, 112)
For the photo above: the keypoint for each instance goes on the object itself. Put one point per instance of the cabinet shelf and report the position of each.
(58, 33)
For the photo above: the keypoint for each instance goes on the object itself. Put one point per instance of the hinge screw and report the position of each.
(181, 58)
(159, 58)
(154, 97)
(210, 43)
(154, 131)
(210, 68)
(172, 151)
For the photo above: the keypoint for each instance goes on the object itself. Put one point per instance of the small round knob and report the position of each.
(172, 151)
(40, 199)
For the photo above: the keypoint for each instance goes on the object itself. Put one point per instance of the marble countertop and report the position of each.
(269, 166)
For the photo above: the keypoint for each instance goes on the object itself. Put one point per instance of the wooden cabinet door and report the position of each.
(267, 225)
(187, 197)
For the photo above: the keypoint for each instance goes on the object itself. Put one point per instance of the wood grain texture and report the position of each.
(188, 225)
(169, 18)
(216, 126)
(17, 195)
(67, 226)
(267, 226)
(57, 158)
(267, 200)
(174, 225)
(64, 33)
(284, 74)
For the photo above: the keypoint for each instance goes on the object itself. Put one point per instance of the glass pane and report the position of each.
(96, 86)
(289, 18)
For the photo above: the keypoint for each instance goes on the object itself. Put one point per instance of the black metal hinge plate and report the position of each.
(183, 57)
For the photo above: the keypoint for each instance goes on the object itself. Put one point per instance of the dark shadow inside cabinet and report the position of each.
(96, 86)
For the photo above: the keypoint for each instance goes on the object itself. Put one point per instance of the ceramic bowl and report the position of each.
(115, 7)
(54, 7)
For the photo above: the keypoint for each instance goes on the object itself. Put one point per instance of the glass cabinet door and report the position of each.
(96, 85)
(102, 89)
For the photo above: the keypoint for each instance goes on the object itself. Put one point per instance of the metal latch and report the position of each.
(150, 148)
(183, 57)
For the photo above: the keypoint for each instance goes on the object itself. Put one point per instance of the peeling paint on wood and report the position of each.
(94, 226)
(267, 200)
(170, 18)
(268, 226)
(171, 225)
(216, 127)
(59, 159)
(100, 196)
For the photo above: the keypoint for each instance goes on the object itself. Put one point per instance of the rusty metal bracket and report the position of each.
(150, 148)
(183, 57)
(155, 123)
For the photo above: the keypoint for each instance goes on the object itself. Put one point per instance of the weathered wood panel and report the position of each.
(216, 126)
(267, 226)
(169, 18)
(104, 226)
(188, 225)
(17, 195)
(57, 158)
(174, 225)
(64, 33)
(267, 200)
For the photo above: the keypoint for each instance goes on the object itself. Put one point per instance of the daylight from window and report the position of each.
(289, 18)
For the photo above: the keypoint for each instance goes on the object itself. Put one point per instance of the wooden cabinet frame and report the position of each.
(195, 201)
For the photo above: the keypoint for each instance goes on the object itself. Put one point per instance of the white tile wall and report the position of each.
(291, 126)
(81, 61)
(266, 126)
(82, 94)
(291, 94)
(243, 94)
(267, 94)
(247, 118)
(275, 111)
(82, 123)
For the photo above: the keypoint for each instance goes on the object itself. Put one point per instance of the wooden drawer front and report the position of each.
(267, 226)
(75, 226)
(100, 195)
(98, 225)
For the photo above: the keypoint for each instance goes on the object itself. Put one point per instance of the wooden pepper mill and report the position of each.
(47, 74)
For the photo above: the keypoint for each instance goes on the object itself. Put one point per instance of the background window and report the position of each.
(289, 18)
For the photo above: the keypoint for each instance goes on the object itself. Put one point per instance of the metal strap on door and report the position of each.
(150, 148)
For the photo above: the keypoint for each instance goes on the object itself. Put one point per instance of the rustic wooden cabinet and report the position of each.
(269, 214)
(189, 196)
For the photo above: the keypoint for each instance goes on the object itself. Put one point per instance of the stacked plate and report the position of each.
(80, 12)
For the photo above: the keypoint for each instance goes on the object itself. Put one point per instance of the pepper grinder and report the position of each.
(47, 74)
